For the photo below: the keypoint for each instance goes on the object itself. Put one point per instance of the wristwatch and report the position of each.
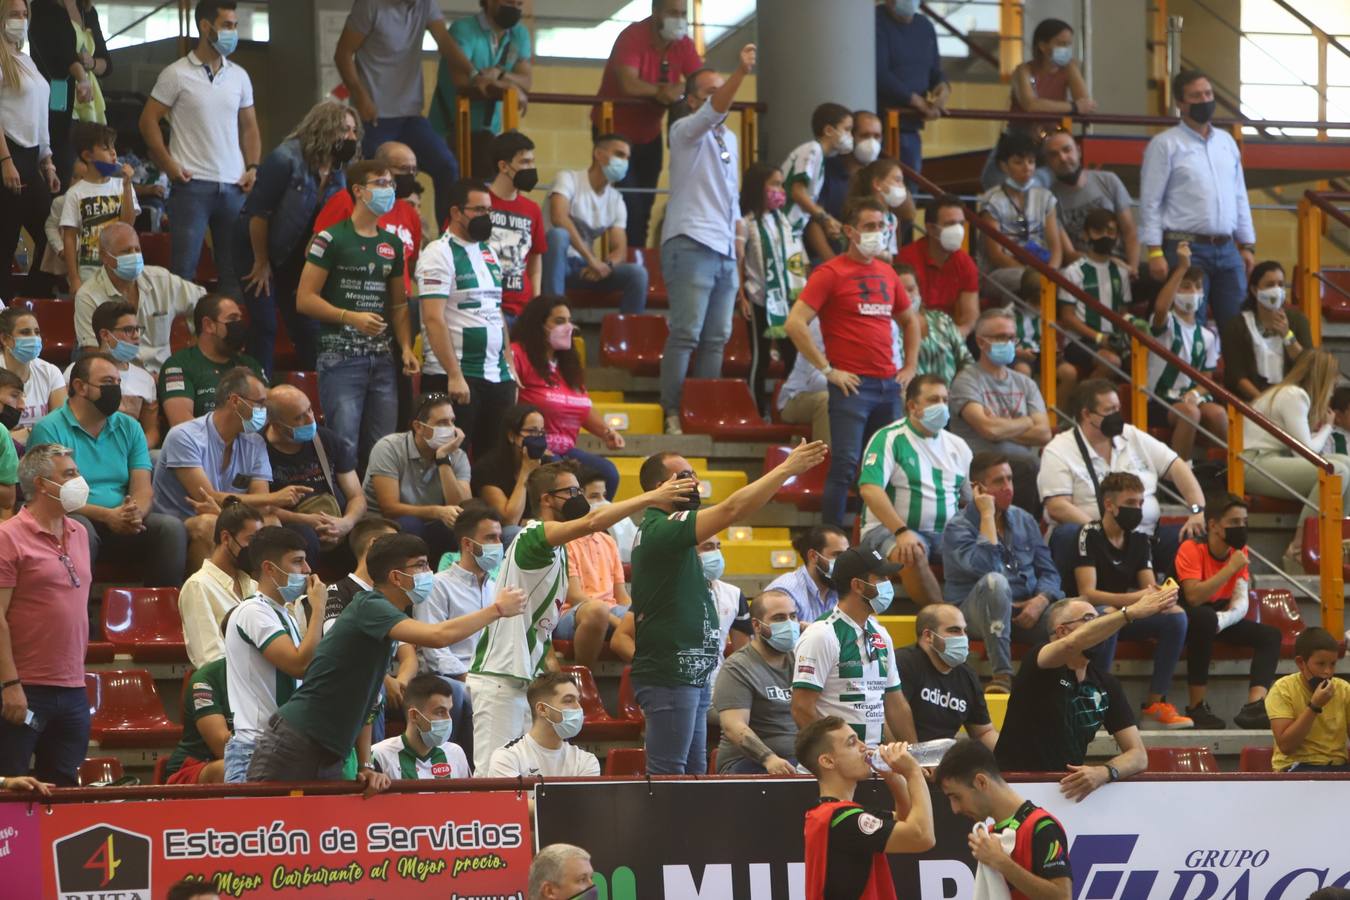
(1195, 509)
(371, 766)
(1112, 774)
(1315, 710)
(10, 684)
(444, 461)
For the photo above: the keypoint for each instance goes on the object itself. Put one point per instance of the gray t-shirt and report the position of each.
(389, 61)
(1100, 189)
(1007, 398)
(419, 484)
(746, 681)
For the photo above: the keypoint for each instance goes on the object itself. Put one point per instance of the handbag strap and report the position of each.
(323, 464)
(1092, 470)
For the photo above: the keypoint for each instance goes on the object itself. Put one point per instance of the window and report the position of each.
(1278, 60)
(132, 24)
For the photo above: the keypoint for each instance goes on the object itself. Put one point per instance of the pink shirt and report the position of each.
(48, 616)
(564, 409)
(593, 564)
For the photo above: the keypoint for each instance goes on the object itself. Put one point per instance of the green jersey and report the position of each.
(804, 165)
(188, 373)
(207, 695)
(360, 270)
(678, 640)
(466, 279)
(1108, 282)
(923, 477)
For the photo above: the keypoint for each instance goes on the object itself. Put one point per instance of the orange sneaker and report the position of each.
(1164, 715)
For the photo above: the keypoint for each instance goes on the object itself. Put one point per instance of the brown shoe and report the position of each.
(999, 684)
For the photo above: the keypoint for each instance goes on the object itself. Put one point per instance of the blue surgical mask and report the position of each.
(107, 169)
(1017, 185)
(381, 200)
(1002, 353)
(783, 635)
(885, 593)
(825, 569)
(226, 41)
(294, 588)
(905, 9)
(27, 349)
(1061, 56)
(130, 266)
(616, 170)
(438, 732)
(935, 418)
(955, 649)
(490, 556)
(714, 564)
(305, 433)
(421, 586)
(570, 726)
(256, 421)
(125, 351)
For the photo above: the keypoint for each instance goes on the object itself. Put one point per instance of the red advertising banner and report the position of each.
(441, 845)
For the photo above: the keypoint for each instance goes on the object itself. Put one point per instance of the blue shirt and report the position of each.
(811, 603)
(1194, 184)
(197, 444)
(704, 193)
(106, 460)
(1022, 556)
(485, 51)
(908, 62)
(834, 191)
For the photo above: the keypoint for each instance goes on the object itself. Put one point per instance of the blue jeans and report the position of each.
(433, 155)
(278, 299)
(562, 270)
(677, 727)
(598, 464)
(911, 149)
(57, 749)
(1167, 629)
(1225, 276)
(359, 395)
(701, 284)
(238, 754)
(853, 420)
(989, 614)
(439, 539)
(193, 207)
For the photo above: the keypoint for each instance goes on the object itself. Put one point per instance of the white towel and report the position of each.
(989, 884)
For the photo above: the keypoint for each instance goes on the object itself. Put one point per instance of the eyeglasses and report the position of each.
(570, 492)
(70, 569)
(476, 210)
(1082, 620)
(380, 183)
(131, 331)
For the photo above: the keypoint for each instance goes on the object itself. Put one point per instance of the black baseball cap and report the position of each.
(859, 562)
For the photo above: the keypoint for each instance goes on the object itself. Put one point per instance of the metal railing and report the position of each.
(974, 48)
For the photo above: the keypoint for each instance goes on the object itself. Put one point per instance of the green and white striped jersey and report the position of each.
(1108, 282)
(924, 477)
(395, 758)
(514, 647)
(852, 669)
(1192, 342)
(467, 278)
(805, 165)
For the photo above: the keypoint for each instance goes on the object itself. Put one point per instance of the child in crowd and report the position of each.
(1309, 709)
(1107, 281)
(150, 184)
(804, 168)
(1339, 439)
(54, 258)
(105, 195)
(883, 181)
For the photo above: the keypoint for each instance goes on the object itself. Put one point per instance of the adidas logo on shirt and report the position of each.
(942, 699)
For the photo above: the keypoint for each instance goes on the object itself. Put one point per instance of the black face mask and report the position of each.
(575, 508)
(109, 398)
(536, 445)
(507, 16)
(234, 335)
(1236, 536)
(10, 416)
(404, 184)
(243, 560)
(1094, 653)
(1314, 682)
(525, 179)
(691, 502)
(479, 228)
(1102, 245)
(1113, 426)
(1201, 112)
(1129, 517)
(343, 151)
(1070, 177)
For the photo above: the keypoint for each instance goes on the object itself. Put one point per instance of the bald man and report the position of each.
(307, 454)
(157, 295)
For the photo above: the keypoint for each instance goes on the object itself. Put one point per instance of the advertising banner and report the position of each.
(443, 845)
(1138, 840)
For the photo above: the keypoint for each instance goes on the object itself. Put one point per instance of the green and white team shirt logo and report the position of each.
(514, 647)
(805, 165)
(395, 758)
(923, 477)
(1194, 343)
(852, 668)
(468, 278)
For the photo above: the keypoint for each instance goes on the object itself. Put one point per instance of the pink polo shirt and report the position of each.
(48, 615)
(593, 563)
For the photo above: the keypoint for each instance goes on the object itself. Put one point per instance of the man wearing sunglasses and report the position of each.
(1062, 697)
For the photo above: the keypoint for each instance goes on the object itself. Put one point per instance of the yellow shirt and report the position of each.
(1326, 741)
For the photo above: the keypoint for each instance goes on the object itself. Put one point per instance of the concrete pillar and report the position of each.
(811, 52)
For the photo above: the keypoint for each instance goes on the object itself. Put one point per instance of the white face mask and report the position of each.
(674, 28)
(441, 435)
(845, 145)
(952, 237)
(73, 494)
(1271, 298)
(867, 150)
(16, 30)
(870, 243)
(895, 195)
(1186, 303)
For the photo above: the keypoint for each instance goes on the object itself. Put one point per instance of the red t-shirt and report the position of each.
(856, 302)
(635, 47)
(940, 285)
(1195, 561)
(564, 409)
(517, 234)
(402, 220)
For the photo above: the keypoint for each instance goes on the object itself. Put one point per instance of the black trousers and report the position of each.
(26, 211)
(761, 348)
(644, 171)
(1202, 631)
(481, 418)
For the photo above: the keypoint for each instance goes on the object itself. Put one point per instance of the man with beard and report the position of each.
(187, 383)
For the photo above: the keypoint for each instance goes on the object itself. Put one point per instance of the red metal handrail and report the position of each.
(1127, 327)
(596, 99)
(1323, 202)
(964, 38)
(1008, 115)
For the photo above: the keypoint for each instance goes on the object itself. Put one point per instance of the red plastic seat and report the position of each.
(56, 319)
(1256, 759)
(1190, 760)
(803, 491)
(1269, 606)
(99, 652)
(634, 343)
(564, 650)
(1288, 506)
(724, 408)
(626, 761)
(600, 725)
(305, 381)
(628, 705)
(126, 710)
(737, 354)
(157, 248)
(162, 769)
(145, 623)
(1335, 294)
(656, 282)
(99, 769)
(1311, 556)
(180, 336)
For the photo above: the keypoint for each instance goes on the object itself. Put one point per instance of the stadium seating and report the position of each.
(180, 334)
(162, 770)
(307, 382)
(100, 652)
(56, 319)
(99, 770)
(126, 710)
(725, 409)
(1335, 294)
(600, 725)
(802, 491)
(1256, 759)
(628, 705)
(626, 761)
(1311, 556)
(737, 354)
(634, 343)
(1190, 760)
(1279, 608)
(144, 623)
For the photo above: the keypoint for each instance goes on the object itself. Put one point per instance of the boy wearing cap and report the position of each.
(846, 661)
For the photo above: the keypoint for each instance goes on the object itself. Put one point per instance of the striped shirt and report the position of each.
(1192, 342)
(514, 647)
(256, 687)
(852, 668)
(1027, 326)
(1337, 442)
(923, 477)
(1108, 282)
(805, 165)
(395, 758)
(467, 278)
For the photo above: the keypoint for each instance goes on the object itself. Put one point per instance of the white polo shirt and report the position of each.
(1065, 474)
(204, 113)
(256, 687)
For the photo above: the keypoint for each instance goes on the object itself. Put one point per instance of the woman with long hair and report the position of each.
(882, 180)
(1264, 340)
(69, 50)
(294, 182)
(1300, 405)
(551, 378)
(500, 475)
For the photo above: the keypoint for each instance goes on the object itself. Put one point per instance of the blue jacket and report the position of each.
(1023, 557)
(287, 195)
(908, 62)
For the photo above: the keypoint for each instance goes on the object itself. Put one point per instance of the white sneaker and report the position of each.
(673, 425)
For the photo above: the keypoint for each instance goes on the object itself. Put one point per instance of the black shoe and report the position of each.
(1204, 717)
(1253, 716)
